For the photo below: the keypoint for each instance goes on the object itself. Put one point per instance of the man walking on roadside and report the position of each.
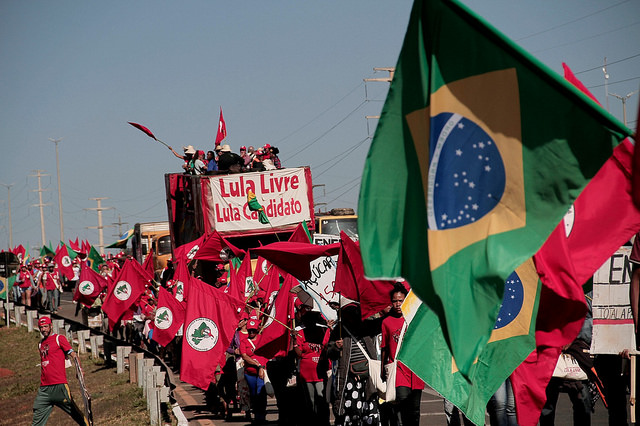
(54, 390)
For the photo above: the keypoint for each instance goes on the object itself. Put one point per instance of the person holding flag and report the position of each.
(54, 390)
(254, 373)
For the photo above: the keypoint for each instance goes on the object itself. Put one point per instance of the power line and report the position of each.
(616, 82)
(319, 115)
(572, 21)
(351, 148)
(325, 133)
(608, 63)
(586, 38)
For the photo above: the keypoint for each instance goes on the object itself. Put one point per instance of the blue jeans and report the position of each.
(53, 299)
(502, 406)
(258, 396)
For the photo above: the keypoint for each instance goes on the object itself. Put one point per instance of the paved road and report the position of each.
(193, 404)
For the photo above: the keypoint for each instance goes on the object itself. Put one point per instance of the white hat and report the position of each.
(189, 149)
(226, 148)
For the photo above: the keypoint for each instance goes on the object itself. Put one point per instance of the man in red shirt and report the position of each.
(54, 390)
(408, 385)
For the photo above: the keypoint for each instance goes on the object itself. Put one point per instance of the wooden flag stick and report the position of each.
(632, 397)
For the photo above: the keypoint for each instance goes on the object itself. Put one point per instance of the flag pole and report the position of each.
(275, 319)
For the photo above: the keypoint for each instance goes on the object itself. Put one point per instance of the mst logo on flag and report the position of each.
(66, 261)
(472, 175)
(202, 334)
(87, 288)
(179, 291)
(122, 290)
(164, 318)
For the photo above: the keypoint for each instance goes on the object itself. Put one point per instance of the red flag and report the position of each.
(86, 247)
(275, 337)
(351, 283)
(189, 250)
(19, 251)
(577, 247)
(63, 260)
(147, 266)
(90, 285)
(211, 320)
(294, 258)
(300, 234)
(181, 279)
(75, 245)
(213, 246)
(270, 284)
(222, 129)
(636, 166)
(169, 317)
(127, 288)
(144, 129)
(241, 280)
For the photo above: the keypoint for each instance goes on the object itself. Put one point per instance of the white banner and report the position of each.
(612, 320)
(282, 193)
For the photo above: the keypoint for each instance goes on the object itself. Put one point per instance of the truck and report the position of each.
(154, 236)
(336, 220)
(199, 205)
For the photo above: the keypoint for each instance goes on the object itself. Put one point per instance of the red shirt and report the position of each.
(52, 357)
(246, 348)
(50, 279)
(310, 357)
(391, 329)
(25, 279)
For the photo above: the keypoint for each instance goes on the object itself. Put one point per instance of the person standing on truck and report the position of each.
(229, 161)
(212, 164)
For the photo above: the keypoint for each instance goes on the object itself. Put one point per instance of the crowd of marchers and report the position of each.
(223, 160)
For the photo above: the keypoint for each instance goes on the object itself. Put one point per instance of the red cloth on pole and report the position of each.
(126, 290)
(294, 258)
(63, 260)
(147, 266)
(189, 250)
(275, 338)
(351, 283)
(576, 248)
(89, 286)
(237, 285)
(169, 317)
(211, 320)
(222, 129)
(181, 280)
(213, 245)
(144, 129)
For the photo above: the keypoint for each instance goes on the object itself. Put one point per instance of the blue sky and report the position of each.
(288, 73)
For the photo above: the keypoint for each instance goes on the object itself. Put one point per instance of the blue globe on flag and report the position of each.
(466, 172)
(511, 301)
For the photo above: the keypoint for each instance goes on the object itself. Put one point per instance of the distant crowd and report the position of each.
(223, 160)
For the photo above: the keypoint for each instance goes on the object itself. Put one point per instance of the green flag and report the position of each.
(46, 251)
(255, 206)
(511, 341)
(479, 152)
(94, 259)
(72, 253)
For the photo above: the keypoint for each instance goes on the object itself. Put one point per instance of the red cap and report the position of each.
(44, 321)
(252, 325)
(267, 146)
(243, 148)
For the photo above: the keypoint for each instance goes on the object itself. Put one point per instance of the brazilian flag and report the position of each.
(6, 284)
(94, 260)
(512, 340)
(46, 251)
(255, 206)
(478, 154)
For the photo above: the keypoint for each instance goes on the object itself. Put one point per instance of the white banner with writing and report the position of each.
(284, 195)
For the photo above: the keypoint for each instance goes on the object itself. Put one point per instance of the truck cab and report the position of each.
(336, 220)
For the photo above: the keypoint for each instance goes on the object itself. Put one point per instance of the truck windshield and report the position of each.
(164, 245)
(334, 226)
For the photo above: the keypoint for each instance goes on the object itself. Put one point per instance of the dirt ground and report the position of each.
(115, 401)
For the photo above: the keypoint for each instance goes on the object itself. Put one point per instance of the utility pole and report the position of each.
(57, 141)
(119, 224)
(8, 186)
(624, 104)
(391, 71)
(39, 175)
(606, 82)
(99, 209)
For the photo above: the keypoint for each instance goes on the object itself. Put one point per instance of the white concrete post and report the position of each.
(58, 326)
(31, 315)
(122, 352)
(83, 336)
